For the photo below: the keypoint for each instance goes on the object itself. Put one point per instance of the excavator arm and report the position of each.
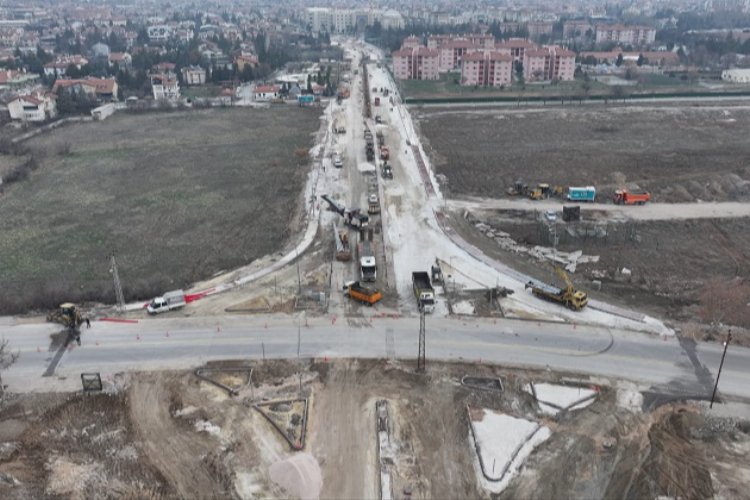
(560, 272)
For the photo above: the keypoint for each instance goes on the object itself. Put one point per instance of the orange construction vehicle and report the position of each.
(361, 293)
(384, 153)
(624, 197)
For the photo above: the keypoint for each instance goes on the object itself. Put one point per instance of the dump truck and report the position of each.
(380, 137)
(368, 268)
(423, 291)
(568, 296)
(624, 197)
(587, 193)
(384, 153)
(356, 291)
(373, 204)
(377, 101)
(341, 240)
(167, 302)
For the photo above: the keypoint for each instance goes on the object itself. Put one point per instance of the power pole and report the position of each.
(421, 357)
(721, 365)
(118, 286)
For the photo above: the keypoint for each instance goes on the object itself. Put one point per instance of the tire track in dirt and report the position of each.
(174, 451)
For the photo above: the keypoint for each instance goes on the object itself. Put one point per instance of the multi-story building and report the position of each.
(324, 19)
(516, 47)
(451, 52)
(411, 42)
(576, 29)
(549, 63)
(419, 63)
(486, 69)
(483, 41)
(628, 35)
(537, 29)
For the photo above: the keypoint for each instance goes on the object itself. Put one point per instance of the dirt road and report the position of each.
(650, 211)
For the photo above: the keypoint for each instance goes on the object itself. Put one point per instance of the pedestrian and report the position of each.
(88, 323)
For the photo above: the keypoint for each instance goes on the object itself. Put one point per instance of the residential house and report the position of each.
(165, 86)
(102, 89)
(193, 75)
(123, 60)
(246, 59)
(736, 75)
(12, 79)
(160, 33)
(36, 107)
(266, 92)
(60, 66)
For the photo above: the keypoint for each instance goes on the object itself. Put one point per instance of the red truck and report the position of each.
(624, 197)
(384, 153)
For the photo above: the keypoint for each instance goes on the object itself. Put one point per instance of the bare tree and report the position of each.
(7, 358)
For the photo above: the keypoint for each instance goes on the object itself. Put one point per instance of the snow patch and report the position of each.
(246, 485)
(504, 443)
(629, 397)
(206, 426)
(553, 398)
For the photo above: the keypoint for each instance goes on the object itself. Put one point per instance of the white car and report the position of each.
(337, 162)
(550, 215)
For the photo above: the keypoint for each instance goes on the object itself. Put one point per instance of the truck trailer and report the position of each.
(423, 291)
(568, 296)
(587, 193)
(368, 269)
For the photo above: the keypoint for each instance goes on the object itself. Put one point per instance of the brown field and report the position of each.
(177, 196)
(678, 153)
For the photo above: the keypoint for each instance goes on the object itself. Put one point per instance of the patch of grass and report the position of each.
(177, 196)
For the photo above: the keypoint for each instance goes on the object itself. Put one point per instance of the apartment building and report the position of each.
(419, 63)
(549, 63)
(324, 19)
(483, 41)
(451, 52)
(516, 47)
(486, 69)
(627, 35)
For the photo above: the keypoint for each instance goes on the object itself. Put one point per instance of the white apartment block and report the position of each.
(629, 35)
(324, 19)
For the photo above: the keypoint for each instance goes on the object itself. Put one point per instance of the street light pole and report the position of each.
(721, 365)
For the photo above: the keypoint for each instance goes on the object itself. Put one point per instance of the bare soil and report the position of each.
(177, 196)
(170, 435)
(687, 270)
(678, 153)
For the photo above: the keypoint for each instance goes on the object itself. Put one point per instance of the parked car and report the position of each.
(550, 215)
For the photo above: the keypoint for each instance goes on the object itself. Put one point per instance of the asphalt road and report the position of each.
(179, 343)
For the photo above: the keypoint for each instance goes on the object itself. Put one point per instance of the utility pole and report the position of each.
(118, 286)
(421, 357)
(721, 365)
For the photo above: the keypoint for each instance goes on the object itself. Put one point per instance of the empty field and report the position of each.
(177, 196)
(678, 153)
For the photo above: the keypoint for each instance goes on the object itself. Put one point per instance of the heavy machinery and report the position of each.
(518, 189)
(423, 291)
(541, 191)
(624, 197)
(356, 291)
(368, 269)
(70, 317)
(568, 296)
(384, 153)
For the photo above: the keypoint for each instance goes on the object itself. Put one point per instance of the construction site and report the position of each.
(362, 429)
(418, 315)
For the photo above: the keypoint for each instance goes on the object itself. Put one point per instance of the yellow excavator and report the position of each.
(568, 296)
(70, 317)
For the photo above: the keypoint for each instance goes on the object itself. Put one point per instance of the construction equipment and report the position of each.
(70, 317)
(355, 290)
(568, 296)
(541, 191)
(352, 217)
(386, 171)
(380, 137)
(423, 291)
(624, 197)
(518, 189)
(587, 193)
(341, 239)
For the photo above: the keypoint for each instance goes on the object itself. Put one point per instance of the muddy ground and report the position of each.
(678, 153)
(177, 196)
(171, 435)
(688, 270)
